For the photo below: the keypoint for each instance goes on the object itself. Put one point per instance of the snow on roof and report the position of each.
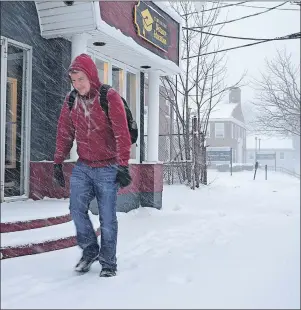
(134, 53)
(269, 143)
(223, 110)
(166, 7)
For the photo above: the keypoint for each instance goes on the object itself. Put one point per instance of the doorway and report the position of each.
(15, 118)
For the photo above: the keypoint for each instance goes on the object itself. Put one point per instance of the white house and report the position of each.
(272, 151)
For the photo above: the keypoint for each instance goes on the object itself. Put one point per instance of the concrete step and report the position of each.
(39, 240)
(33, 224)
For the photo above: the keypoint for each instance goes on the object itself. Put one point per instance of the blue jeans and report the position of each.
(86, 183)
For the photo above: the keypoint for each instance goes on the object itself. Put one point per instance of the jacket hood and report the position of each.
(84, 63)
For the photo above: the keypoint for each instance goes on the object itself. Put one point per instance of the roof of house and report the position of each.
(269, 143)
(223, 110)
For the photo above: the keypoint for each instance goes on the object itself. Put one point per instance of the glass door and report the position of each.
(15, 118)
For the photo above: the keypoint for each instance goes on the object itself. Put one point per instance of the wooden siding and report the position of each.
(56, 18)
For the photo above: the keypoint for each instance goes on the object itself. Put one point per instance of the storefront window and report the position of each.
(117, 79)
(131, 99)
(11, 123)
(131, 91)
(103, 70)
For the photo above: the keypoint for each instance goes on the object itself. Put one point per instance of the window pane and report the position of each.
(117, 79)
(15, 146)
(131, 91)
(132, 101)
(219, 130)
(102, 68)
(11, 123)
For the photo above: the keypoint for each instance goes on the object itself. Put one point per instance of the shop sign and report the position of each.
(151, 25)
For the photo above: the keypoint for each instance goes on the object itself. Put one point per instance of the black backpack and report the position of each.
(132, 125)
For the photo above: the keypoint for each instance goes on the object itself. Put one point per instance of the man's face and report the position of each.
(80, 82)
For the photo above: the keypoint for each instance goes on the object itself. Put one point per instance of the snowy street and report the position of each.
(233, 244)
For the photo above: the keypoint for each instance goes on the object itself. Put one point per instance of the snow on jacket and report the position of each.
(101, 141)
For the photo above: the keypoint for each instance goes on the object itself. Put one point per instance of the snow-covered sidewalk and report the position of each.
(233, 244)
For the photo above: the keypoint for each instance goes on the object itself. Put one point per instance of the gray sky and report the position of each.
(271, 24)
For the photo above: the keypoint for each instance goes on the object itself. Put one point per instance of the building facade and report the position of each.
(35, 54)
(275, 152)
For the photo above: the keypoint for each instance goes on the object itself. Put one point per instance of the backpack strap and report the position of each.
(71, 99)
(103, 98)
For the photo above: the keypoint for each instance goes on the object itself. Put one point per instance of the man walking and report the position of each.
(103, 147)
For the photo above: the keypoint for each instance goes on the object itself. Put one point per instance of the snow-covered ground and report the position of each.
(233, 244)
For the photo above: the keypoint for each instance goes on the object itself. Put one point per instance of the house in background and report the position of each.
(226, 127)
(273, 152)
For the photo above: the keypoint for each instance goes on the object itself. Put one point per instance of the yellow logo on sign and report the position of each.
(147, 21)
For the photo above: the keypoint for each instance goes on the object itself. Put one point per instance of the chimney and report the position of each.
(235, 95)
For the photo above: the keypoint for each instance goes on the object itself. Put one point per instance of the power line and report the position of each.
(233, 37)
(217, 8)
(237, 19)
(296, 3)
(263, 7)
(288, 37)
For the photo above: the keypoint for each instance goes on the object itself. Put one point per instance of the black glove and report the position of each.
(58, 175)
(123, 176)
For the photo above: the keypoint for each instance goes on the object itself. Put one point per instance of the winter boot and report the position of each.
(107, 272)
(84, 264)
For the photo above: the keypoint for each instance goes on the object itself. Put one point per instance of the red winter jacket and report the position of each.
(100, 141)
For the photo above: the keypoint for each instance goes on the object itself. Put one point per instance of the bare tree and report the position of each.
(198, 89)
(277, 101)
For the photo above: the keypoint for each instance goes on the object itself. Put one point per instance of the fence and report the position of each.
(172, 154)
(283, 170)
(171, 148)
(177, 163)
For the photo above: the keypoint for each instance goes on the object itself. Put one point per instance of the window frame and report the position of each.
(13, 143)
(215, 130)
